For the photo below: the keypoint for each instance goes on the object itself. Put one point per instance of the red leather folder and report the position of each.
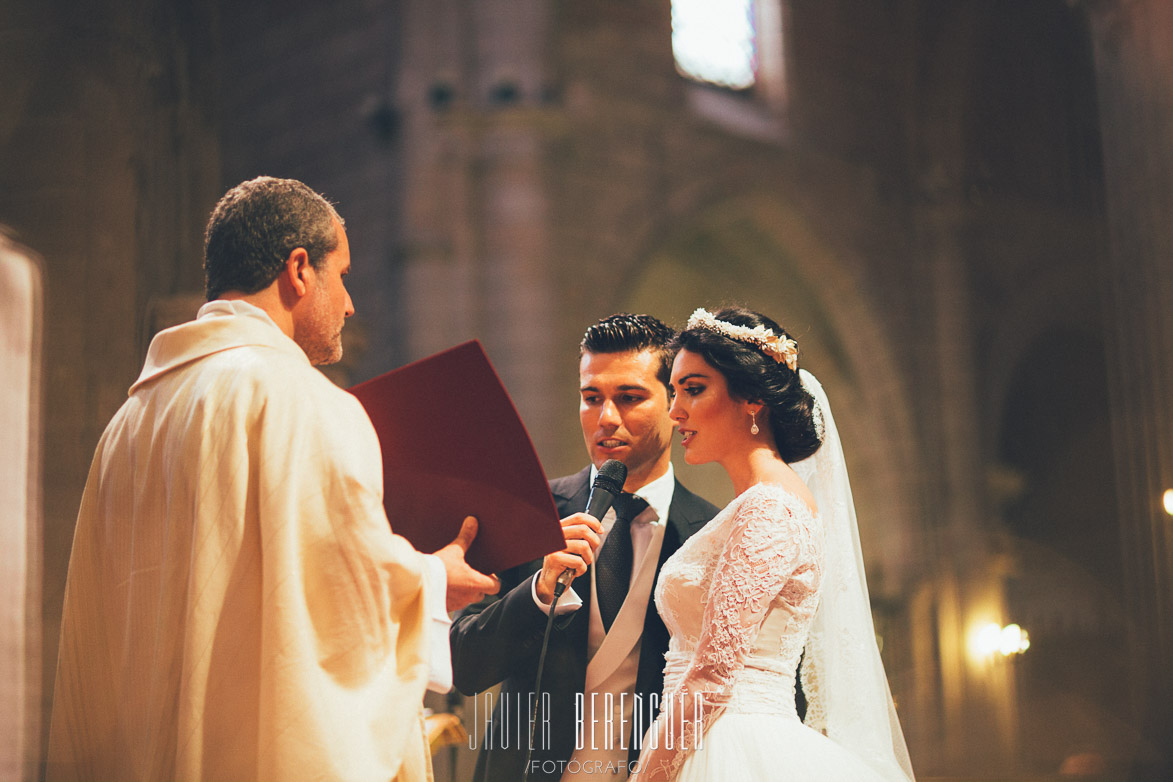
(454, 446)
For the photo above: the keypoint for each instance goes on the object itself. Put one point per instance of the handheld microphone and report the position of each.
(607, 486)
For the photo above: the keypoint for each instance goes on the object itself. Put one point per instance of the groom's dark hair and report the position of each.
(624, 332)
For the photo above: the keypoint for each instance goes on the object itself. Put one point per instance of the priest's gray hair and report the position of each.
(255, 227)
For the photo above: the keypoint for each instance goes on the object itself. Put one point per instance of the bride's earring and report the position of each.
(753, 428)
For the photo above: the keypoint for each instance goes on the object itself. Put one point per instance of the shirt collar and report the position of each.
(657, 493)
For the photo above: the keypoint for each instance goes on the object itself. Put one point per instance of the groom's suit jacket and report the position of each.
(499, 639)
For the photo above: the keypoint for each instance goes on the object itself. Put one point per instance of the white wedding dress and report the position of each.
(743, 598)
(739, 598)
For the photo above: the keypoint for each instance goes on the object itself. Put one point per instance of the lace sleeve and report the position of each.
(765, 556)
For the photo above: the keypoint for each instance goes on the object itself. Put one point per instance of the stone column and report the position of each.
(20, 512)
(477, 259)
(1133, 42)
(978, 730)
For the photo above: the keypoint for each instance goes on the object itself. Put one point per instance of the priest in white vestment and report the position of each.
(237, 606)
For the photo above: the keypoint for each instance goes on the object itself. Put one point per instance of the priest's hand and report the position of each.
(581, 532)
(465, 585)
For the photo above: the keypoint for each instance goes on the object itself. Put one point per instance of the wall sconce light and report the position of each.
(994, 639)
(1168, 501)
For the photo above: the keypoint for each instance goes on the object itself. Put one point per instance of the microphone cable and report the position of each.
(559, 588)
(607, 486)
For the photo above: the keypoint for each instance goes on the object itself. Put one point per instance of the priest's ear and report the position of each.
(298, 272)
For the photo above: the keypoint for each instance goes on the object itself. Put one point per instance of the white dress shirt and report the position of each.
(613, 657)
(658, 495)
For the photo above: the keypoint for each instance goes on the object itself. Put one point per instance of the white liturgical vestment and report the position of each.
(237, 606)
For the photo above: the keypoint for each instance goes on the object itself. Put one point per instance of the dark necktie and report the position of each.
(613, 567)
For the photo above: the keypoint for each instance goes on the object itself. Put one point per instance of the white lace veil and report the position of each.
(842, 675)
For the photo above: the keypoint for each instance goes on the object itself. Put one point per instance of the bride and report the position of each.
(776, 576)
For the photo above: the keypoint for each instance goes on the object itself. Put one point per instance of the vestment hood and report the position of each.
(219, 325)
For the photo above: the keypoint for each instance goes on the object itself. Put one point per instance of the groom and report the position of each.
(604, 668)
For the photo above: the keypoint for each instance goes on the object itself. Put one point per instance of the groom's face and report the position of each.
(623, 408)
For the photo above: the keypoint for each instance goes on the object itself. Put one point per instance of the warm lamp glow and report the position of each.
(988, 640)
(1168, 500)
(1014, 640)
(994, 639)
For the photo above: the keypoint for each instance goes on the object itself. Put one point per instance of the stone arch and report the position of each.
(758, 250)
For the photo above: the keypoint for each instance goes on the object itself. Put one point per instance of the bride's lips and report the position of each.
(686, 436)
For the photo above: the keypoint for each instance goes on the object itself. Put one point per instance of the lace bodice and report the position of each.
(738, 599)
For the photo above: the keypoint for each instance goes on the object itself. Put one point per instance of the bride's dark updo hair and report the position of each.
(753, 375)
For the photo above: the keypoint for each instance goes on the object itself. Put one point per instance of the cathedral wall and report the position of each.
(917, 191)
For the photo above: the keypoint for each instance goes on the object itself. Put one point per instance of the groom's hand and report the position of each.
(582, 534)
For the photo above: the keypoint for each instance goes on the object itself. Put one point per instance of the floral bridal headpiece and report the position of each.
(784, 350)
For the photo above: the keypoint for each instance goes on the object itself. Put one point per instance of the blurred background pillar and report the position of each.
(476, 98)
(20, 511)
(109, 165)
(978, 708)
(1134, 70)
